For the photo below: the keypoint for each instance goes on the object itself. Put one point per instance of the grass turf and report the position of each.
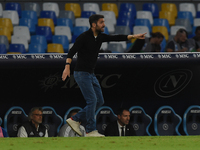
(105, 143)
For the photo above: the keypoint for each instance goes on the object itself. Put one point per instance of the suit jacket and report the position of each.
(113, 130)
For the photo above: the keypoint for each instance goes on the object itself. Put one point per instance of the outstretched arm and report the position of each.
(137, 36)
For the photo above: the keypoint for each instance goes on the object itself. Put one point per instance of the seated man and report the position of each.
(34, 127)
(66, 130)
(121, 127)
(197, 38)
(151, 44)
(3, 132)
(180, 43)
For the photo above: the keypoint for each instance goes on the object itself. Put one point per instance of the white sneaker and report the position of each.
(74, 125)
(94, 133)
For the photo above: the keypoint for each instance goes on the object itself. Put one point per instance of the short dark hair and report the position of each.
(72, 111)
(181, 30)
(32, 110)
(197, 28)
(120, 111)
(157, 34)
(94, 18)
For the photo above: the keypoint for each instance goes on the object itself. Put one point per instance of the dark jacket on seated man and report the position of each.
(121, 127)
(180, 43)
(32, 131)
(113, 130)
(33, 128)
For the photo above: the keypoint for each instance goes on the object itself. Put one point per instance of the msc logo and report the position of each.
(173, 82)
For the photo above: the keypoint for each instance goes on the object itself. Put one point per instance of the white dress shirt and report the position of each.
(119, 128)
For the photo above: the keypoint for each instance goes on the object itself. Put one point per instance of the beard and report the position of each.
(99, 30)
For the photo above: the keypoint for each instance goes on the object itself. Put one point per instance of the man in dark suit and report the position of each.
(121, 127)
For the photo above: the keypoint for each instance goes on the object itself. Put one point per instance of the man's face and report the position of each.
(124, 118)
(159, 41)
(182, 37)
(100, 25)
(36, 117)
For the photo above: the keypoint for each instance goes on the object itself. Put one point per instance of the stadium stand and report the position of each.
(45, 31)
(5, 31)
(29, 23)
(20, 39)
(61, 39)
(162, 22)
(145, 15)
(80, 29)
(33, 6)
(169, 7)
(22, 30)
(3, 49)
(188, 7)
(30, 14)
(67, 14)
(143, 22)
(128, 7)
(47, 22)
(55, 48)
(63, 30)
(6, 22)
(34, 15)
(49, 14)
(109, 15)
(50, 6)
(91, 7)
(4, 40)
(87, 14)
(110, 7)
(65, 22)
(18, 48)
(75, 7)
(122, 30)
(39, 39)
(152, 7)
(36, 48)
(14, 6)
(82, 22)
(115, 47)
(141, 29)
(1, 10)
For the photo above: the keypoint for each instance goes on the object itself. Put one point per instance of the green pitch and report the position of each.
(105, 143)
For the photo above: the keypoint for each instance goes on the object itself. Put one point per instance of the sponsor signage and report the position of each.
(173, 82)
(136, 111)
(47, 112)
(166, 112)
(105, 112)
(16, 112)
(195, 111)
(135, 56)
